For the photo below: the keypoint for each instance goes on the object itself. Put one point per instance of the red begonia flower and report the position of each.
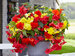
(47, 51)
(22, 10)
(36, 19)
(56, 47)
(34, 25)
(26, 41)
(48, 36)
(44, 20)
(41, 29)
(55, 17)
(38, 13)
(7, 27)
(52, 24)
(12, 40)
(21, 36)
(15, 18)
(35, 34)
(57, 40)
(32, 40)
(45, 26)
(62, 43)
(40, 38)
(8, 33)
(20, 25)
(60, 24)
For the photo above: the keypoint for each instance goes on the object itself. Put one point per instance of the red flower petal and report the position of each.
(20, 25)
(38, 13)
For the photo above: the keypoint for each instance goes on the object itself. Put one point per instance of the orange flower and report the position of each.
(61, 10)
(56, 12)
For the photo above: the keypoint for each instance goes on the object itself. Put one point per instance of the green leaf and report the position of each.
(36, 30)
(24, 32)
(67, 26)
(60, 34)
(50, 18)
(46, 8)
(32, 33)
(41, 24)
(12, 23)
(55, 22)
(17, 36)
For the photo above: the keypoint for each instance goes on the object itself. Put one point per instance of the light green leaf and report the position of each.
(12, 23)
(24, 32)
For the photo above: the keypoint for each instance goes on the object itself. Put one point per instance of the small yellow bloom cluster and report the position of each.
(44, 14)
(64, 24)
(27, 22)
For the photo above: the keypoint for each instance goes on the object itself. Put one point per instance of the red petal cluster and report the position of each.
(7, 27)
(44, 20)
(40, 38)
(31, 41)
(47, 51)
(23, 10)
(48, 36)
(38, 13)
(19, 47)
(55, 17)
(8, 33)
(34, 25)
(12, 40)
(20, 25)
(36, 19)
(15, 18)
(59, 25)
(45, 26)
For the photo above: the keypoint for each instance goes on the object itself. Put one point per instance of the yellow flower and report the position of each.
(11, 29)
(27, 26)
(17, 29)
(50, 9)
(30, 20)
(10, 37)
(47, 39)
(56, 32)
(23, 20)
(45, 29)
(50, 38)
(35, 15)
(14, 33)
(68, 25)
(44, 14)
(27, 15)
(50, 30)
(64, 14)
(58, 38)
(64, 24)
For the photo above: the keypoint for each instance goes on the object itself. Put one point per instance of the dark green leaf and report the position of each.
(32, 33)
(41, 24)
(36, 30)
(17, 36)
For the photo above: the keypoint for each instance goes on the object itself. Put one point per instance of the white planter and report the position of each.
(39, 49)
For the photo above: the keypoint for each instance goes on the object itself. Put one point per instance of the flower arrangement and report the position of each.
(32, 26)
